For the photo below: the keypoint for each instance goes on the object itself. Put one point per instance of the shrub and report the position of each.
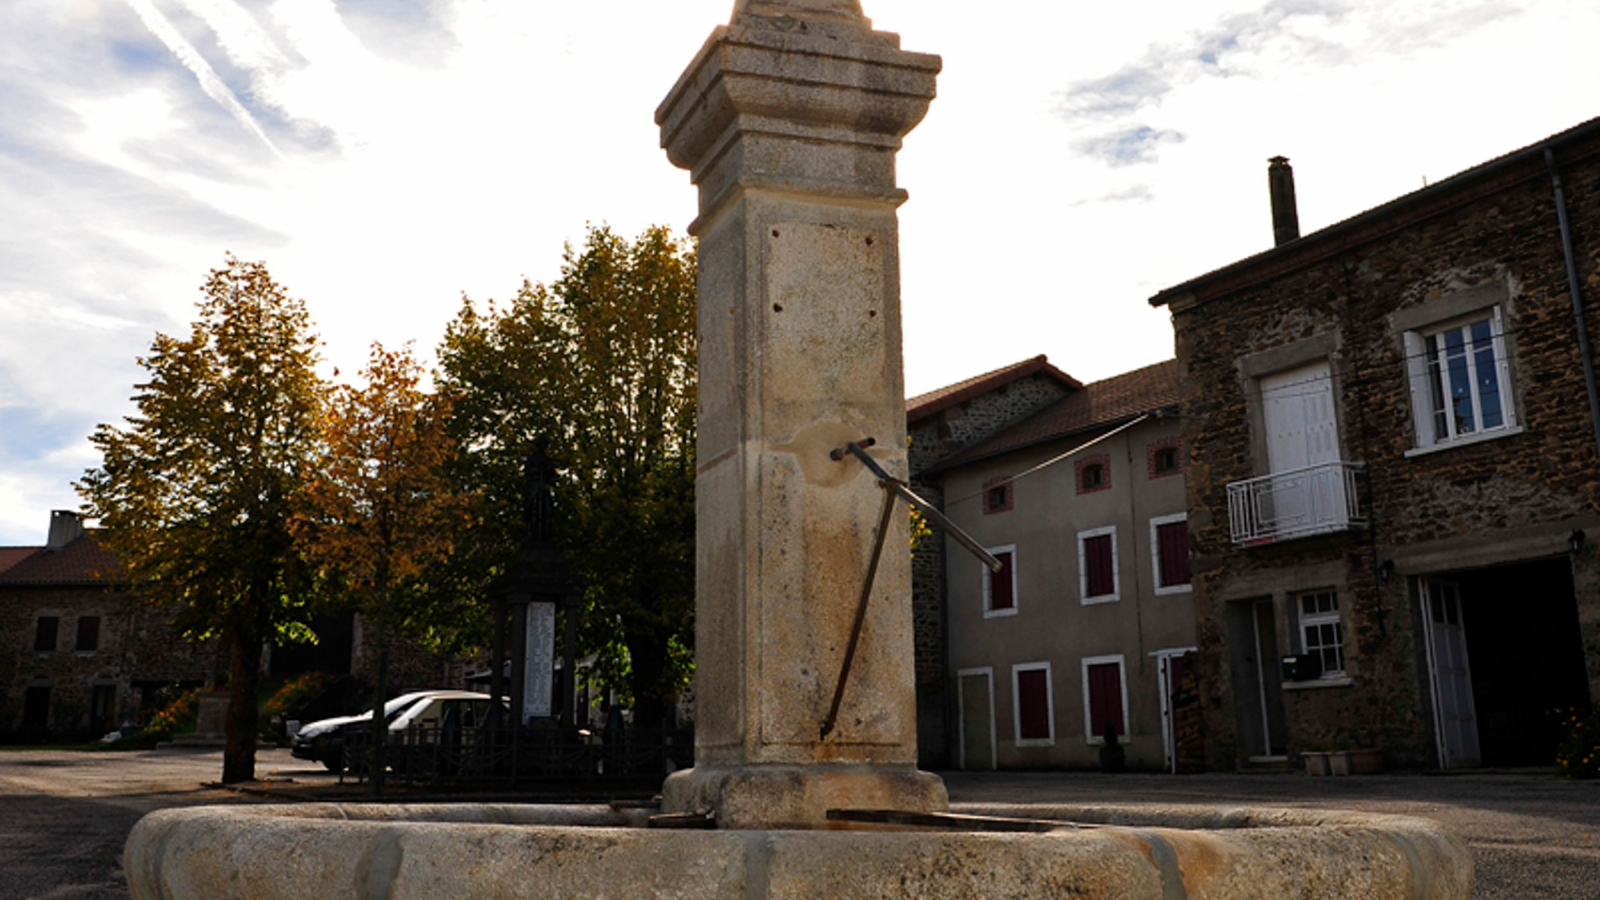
(296, 694)
(1578, 755)
(178, 714)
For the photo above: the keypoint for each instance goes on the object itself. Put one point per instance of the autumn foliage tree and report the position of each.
(379, 520)
(196, 490)
(602, 364)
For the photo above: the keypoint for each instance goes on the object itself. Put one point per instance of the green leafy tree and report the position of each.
(380, 518)
(602, 364)
(195, 491)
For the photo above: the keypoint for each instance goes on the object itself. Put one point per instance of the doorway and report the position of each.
(1171, 667)
(1504, 657)
(1257, 685)
(975, 719)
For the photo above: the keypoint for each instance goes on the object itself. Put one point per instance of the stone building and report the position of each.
(1089, 621)
(1392, 478)
(79, 655)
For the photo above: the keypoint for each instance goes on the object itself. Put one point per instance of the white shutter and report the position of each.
(1507, 403)
(1416, 350)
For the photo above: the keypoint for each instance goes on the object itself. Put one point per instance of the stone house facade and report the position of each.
(1080, 494)
(1392, 473)
(79, 655)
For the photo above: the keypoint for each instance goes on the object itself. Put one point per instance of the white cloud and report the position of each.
(210, 82)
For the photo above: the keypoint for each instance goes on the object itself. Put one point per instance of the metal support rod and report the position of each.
(936, 517)
(861, 613)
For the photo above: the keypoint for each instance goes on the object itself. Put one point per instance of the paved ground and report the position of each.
(64, 815)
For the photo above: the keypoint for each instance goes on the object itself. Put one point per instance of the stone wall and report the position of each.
(136, 650)
(932, 439)
(1513, 497)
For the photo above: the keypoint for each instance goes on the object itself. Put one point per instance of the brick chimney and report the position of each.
(1285, 216)
(65, 527)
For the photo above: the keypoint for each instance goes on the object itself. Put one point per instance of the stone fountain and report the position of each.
(789, 120)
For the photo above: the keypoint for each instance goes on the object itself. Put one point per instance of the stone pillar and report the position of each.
(789, 120)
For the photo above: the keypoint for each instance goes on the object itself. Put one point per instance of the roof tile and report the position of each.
(83, 561)
(1100, 403)
(924, 405)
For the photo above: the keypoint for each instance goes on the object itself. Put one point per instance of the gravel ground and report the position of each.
(64, 815)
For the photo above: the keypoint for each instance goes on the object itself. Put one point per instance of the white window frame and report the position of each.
(988, 611)
(1083, 569)
(1016, 704)
(1303, 620)
(1088, 711)
(1155, 555)
(961, 717)
(1422, 384)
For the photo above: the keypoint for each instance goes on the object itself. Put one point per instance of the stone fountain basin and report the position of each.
(593, 852)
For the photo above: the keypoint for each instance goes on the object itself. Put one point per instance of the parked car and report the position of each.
(324, 740)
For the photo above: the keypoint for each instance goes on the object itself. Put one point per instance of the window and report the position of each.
(1097, 566)
(1460, 383)
(36, 706)
(1169, 542)
(1164, 457)
(44, 635)
(102, 705)
(1105, 698)
(1321, 632)
(1035, 714)
(1094, 474)
(88, 634)
(997, 495)
(1000, 588)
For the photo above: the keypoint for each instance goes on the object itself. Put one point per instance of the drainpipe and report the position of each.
(1576, 289)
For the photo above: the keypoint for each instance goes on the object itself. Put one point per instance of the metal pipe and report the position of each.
(861, 615)
(936, 517)
(1574, 286)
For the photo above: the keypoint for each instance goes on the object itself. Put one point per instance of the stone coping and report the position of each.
(471, 851)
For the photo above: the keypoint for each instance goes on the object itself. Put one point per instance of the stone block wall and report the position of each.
(1458, 506)
(136, 649)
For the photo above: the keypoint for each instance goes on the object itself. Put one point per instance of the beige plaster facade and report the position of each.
(1056, 622)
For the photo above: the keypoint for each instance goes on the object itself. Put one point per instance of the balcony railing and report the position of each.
(1295, 503)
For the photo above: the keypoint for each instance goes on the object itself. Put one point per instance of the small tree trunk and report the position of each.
(380, 726)
(239, 753)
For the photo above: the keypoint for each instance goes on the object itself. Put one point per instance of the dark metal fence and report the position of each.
(510, 758)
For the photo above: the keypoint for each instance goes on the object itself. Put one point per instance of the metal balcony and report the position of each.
(1295, 503)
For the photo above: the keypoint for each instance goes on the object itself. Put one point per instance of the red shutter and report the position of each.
(1097, 563)
(1000, 584)
(1033, 704)
(1173, 542)
(1105, 698)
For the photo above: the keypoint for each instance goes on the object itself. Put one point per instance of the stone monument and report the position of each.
(789, 120)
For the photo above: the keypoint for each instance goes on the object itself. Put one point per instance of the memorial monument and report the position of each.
(789, 119)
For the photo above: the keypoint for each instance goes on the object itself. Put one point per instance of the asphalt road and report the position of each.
(64, 815)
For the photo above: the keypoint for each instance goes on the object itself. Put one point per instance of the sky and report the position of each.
(387, 157)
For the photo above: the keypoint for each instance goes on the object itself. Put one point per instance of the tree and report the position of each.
(602, 364)
(380, 518)
(194, 493)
